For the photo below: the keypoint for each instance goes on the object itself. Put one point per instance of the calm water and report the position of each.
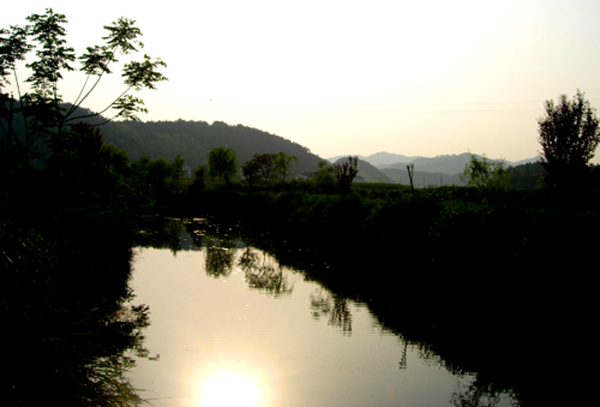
(230, 327)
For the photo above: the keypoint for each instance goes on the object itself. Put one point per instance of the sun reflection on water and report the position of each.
(229, 390)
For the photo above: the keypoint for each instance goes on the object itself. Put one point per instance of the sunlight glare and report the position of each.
(227, 390)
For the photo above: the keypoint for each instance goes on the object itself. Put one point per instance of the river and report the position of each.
(231, 327)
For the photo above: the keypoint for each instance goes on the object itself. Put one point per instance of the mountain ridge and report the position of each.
(450, 164)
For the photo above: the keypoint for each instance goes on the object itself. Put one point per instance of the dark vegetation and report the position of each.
(70, 207)
(486, 271)
(67, 234)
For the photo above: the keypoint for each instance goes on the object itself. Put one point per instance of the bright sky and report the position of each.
(356, 77)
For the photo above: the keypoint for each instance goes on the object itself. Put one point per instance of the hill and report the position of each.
(447, 164)
(194, 139)
(444, 164)
(440, 170)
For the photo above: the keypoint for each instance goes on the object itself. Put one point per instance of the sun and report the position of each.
(227, 390)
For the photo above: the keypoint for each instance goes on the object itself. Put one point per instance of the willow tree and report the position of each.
(283, 164)
(222, 164)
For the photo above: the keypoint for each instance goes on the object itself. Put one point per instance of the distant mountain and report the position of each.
(442, 164)
(381, 159)
(335, 159)
(367, 172)
(524, 162)
(445, 164)
(421, 178)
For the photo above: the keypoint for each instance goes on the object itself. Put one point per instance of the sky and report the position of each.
(354, 77)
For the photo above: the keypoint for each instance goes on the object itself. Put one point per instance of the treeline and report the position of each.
(193, 140)
(526, 176)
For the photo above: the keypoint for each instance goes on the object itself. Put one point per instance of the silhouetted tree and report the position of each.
(569, 135)
(251, 171)
(40, 112)
(345, 173)
(266, 165)
(260, 166)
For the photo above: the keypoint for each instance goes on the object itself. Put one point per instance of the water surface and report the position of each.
(230, 327)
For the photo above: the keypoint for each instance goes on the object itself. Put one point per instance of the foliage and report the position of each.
(283, 164)
(222, 164)
(264, 166)
(96, 179)
(66, 308)
(40, 111)
(164, 178)
(324, 176)
(569, 136)
(484, 174)
(345, 172)
(525, 176)
(67, 228)
(261, 166)
(198, 184)
(251, 170)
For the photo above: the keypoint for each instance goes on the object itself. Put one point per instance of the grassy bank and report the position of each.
(437, 227)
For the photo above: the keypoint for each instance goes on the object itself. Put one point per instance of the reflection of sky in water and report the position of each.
(215, 336)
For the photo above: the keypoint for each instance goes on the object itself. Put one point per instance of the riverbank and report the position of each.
(479, 273)
(67, 232)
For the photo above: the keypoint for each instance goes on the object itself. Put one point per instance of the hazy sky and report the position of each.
(356, 77)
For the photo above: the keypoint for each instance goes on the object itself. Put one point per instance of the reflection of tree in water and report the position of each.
(471, 391)
(402, 363)
(323, 303)
(262, 274)
(475, 394)
(219, 256)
